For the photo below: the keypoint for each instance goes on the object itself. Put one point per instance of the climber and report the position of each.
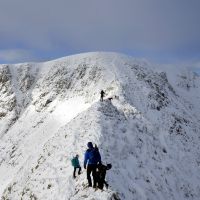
(101, 174)
(76, 165)
(92, 158)
(102, 95)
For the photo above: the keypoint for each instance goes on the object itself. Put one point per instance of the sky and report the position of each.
(164, 31)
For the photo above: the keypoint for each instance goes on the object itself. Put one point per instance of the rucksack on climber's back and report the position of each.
(75, 162)
(93, 156)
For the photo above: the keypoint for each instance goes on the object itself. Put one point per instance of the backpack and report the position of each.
(94, 156)
(73, 161)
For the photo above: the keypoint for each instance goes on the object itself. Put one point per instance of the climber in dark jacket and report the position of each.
(102, 95)
(101, 175)
(92, 158)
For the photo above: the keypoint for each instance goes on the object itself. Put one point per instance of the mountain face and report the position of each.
(149, 131)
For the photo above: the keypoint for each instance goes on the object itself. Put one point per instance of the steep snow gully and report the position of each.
(149, 131)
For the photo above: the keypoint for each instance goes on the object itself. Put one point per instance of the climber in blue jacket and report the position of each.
(92, 158)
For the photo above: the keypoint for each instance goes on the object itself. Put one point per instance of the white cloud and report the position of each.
(152, 26)
(16, 55)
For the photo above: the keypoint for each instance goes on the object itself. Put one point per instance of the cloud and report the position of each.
(16, 55)
(169, 27)
(196, 67)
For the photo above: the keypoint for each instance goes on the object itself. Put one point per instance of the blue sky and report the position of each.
(164, 31)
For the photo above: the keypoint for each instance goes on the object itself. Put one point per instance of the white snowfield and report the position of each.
(149, 131)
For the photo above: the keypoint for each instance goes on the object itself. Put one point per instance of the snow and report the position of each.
(149, 131)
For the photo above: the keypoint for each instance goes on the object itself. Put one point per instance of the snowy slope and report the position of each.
(149, 131)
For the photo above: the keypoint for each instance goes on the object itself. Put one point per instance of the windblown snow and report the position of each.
(149, 131)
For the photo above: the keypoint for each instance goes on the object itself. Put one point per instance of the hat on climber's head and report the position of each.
(90, 145)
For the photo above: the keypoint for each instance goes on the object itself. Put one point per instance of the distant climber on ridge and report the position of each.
(92, 158)
(76, 165)
(102, 95)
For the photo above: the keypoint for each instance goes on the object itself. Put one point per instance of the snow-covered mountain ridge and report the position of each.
(149, 131)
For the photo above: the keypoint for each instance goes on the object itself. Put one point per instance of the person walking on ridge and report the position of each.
(102, 95)
(76, 165)
(92, 158)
